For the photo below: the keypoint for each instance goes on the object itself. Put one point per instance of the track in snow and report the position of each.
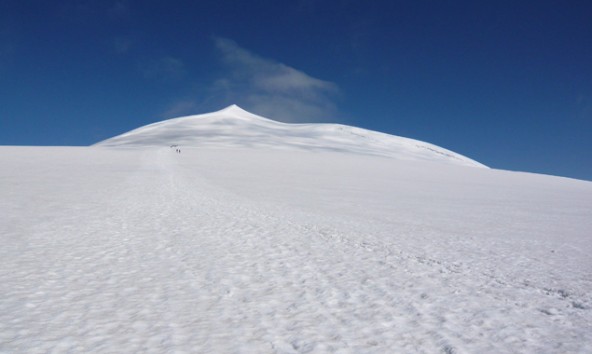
(163, 259)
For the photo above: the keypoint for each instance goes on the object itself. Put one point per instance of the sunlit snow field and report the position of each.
(243, 250)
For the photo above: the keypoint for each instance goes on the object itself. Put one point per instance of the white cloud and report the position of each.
(270, 88)
(181, 108)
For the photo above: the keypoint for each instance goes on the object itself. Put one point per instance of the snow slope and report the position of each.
(243, 250)
(235, 127)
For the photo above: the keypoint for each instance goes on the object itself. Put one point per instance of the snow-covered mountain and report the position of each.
(131, 247)
(235, 127)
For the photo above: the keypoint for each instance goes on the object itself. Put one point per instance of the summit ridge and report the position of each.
(235, 127)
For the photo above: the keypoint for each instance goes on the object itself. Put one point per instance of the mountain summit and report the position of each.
(235, 127)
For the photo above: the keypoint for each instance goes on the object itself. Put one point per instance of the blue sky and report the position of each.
(508, 83)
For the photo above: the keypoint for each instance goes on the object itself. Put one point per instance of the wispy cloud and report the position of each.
(180, 108)
(270, 88)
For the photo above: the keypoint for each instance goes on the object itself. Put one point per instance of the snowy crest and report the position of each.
(234, 127)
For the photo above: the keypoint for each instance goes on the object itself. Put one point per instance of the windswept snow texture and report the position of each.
(235, 127)
(250, 251)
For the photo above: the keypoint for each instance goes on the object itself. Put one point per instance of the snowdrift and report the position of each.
(286, 251)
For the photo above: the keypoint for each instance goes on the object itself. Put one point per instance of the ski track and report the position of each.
(175, 263)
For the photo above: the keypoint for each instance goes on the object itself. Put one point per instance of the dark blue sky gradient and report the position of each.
(507, 83)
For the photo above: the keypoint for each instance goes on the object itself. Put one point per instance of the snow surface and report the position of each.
(241, 250)
(236, 127)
